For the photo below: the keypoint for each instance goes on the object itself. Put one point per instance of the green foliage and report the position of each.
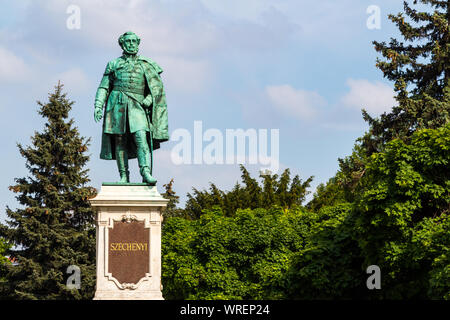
(388, 205)
(3, 262)
(398, 219)
(327, 194)
(402, 210)
(3, 248)
(431, 244)
(54, 227)
(245, 256)
(330, 265)
(274, 191)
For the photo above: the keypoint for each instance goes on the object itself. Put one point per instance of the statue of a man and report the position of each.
(135, 117)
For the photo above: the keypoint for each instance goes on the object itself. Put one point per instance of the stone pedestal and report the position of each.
(128, 220)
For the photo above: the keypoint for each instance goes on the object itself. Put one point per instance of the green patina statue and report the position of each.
(135, 117)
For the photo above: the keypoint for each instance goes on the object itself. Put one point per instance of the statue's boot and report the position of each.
(146, 176)
(124, 175)
(122, 159)
(143, 155)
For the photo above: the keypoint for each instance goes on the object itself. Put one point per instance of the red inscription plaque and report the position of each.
(128, 251)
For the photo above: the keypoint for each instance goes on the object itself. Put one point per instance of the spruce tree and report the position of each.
(53, 229)
(419, 66)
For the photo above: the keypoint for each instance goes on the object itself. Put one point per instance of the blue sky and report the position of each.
(304, 67)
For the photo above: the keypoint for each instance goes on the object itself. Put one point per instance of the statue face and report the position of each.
(130, 44)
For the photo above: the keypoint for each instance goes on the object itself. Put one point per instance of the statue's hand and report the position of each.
(147, 102)
(98, 114)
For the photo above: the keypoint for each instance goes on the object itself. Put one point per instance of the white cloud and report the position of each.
(187, 29)
(376, 97)
(310, 15)
(164, 28)
(248, 9)
(185, 75)
(75, 81)
(295, 102)
(12, 68)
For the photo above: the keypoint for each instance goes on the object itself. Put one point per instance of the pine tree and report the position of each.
(420, 69)
(54, 228)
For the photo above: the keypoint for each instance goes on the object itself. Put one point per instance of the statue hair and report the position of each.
(128, 33)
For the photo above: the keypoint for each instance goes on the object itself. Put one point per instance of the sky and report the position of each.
(301, 68)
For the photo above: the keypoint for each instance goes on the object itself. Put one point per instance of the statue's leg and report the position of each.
(122, 157)
(143, 155)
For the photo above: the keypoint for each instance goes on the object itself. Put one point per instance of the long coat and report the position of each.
(157, 127)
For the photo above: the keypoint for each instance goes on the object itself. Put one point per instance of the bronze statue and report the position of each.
(135, 117)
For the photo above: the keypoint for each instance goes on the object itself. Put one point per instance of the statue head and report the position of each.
(129, 42)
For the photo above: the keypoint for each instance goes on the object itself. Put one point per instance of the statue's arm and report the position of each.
(100, 97)
(102, 93)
